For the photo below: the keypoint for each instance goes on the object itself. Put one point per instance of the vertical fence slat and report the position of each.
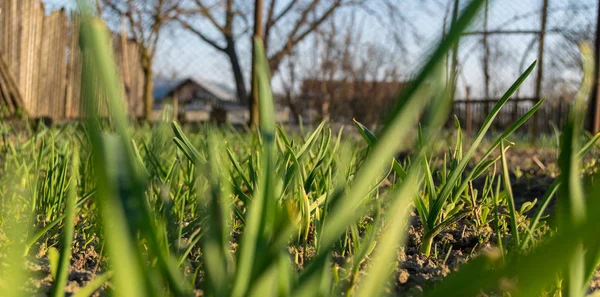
(43, 59)
(73, 89)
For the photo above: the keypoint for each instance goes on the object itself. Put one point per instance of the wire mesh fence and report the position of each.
(368, 45)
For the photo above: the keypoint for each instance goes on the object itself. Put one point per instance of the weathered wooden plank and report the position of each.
(3, 20)
(11, 90)
(38, 36)
(13, 41)
(42, 56)
(60, 31)
(136, 79)
(21, 74)
(73, 89)
(33, 14)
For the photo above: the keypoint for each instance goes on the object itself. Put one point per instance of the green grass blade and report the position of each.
(430, 185)
(453, 178)
(14, 229)
(261, 211)
(571, 205)
(510, 198)
(523, 275)
(385, 251)
(186, 145)
(216, 242)
(129, 279)
(239, 170)
(367, 135)
(398, 126)
(545, 201)
(370, 138)
(93, 285)
(62, 273)
(588, 146)
(121, 184)
(499, 238)
(552, 189)
(402, 196)
(40, 233)
(310, 141)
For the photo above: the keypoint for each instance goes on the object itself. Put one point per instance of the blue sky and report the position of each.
(182, 54)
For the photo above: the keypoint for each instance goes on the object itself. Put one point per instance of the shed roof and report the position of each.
(164, 88)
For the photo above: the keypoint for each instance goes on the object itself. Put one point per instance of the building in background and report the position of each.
(343, 100)
(199, 101)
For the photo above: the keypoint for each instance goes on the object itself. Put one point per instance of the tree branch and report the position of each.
(283, 12)
(229, 15)
(304, 15)
(205, 11)
(267, 28)
(201, 35)
(272, 20)
(293, 40)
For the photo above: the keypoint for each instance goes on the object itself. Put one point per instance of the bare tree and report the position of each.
(564, 69)
(289, 84)
(145, 19)
(347, 77)
(325, 60)
(258, 34)
(290, 21)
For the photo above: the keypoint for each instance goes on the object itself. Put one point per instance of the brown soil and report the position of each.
(414, 271)
(84, 268)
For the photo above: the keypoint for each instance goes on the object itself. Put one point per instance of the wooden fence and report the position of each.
(472, 114)
(41, 66)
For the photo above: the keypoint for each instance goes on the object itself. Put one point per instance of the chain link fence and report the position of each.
(371, 47)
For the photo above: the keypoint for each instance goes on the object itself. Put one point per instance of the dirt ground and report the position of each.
(536, 171)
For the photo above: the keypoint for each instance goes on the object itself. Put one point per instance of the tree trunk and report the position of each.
(148, 87)
(258, 33)
(593, 123)
(238, 75)
(293, 108)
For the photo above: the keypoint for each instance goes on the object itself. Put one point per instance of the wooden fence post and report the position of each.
(175, 105)
(42, 61)
(10, 92)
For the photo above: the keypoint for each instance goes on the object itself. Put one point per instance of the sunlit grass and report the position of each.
(226, 212)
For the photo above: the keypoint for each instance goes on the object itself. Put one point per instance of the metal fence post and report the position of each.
(540, 64)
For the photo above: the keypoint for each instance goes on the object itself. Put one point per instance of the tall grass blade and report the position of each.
(93, 285)
(510, 198)
(396, 129)
(121, 183)
(216, 241)
(62, 273)
(128, 272)
(456, 174)
(259, 218)
(571, 206)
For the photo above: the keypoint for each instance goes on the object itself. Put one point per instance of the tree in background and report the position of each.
(145, 20)
(288, 21)
(342, 76)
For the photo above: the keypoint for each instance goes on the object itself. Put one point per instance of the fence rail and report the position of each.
(41, 66)
(40, 62)
(472, 113)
